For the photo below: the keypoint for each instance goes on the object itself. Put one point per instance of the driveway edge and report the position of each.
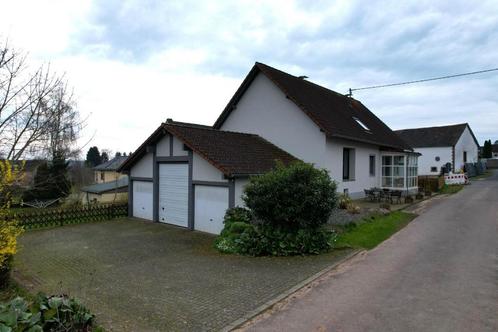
(241, 321)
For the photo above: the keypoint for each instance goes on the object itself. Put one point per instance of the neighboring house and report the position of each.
(107, 171)
(108, 192)
(110, 185)
(494, 149)
(320, 126)
(455, 144)
(188, 175)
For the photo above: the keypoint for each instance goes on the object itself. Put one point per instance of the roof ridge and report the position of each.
(444, 126)
(305, 80)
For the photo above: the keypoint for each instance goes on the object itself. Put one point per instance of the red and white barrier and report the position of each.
(456, 179)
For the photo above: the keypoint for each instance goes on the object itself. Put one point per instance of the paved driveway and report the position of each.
(440, 273)
(141, 276)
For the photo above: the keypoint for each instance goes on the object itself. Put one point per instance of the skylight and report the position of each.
(364, 126)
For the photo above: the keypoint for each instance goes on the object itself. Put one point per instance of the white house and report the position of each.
(455, 144)
(188, 175)
(320, 126)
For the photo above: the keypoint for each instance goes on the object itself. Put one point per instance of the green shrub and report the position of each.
(54, 313)
(247, 238)
(294, 197)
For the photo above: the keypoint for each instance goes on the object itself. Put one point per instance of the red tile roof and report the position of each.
(233, 153)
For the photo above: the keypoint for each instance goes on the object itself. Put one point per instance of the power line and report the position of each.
(422, 80)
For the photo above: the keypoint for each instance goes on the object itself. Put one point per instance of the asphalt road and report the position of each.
(440, 273)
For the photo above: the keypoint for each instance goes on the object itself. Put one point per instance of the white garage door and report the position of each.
(142, 199)
(211, 204)
(173, 194)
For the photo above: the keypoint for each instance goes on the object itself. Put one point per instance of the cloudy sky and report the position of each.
(135, 63)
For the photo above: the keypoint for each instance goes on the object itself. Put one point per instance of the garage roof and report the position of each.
(100, 188)
(233, 153)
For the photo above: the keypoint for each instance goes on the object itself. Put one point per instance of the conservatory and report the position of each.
(399, 171)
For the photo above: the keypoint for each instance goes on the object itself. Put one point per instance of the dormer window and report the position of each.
(362, 125)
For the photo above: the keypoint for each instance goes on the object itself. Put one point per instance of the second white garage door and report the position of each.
(211, 204)
(142, 199)
(173, 194)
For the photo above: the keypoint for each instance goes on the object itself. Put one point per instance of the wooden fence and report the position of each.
(66, 216)
(430, 183)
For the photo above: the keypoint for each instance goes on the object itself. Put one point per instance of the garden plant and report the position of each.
(287, 209)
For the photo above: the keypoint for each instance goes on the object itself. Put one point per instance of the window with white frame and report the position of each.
(393, 171)
(412, 172)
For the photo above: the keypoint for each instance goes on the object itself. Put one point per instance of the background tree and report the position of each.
(118, 154)
(487, 149)
(93, 157)
(30, 103)
(104, 156)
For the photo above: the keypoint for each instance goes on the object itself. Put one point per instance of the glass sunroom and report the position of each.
(399, 171)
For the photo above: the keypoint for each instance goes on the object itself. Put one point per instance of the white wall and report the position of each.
(143, 168)
(239, 189)
(264, 110)
(466, 143)
(204, 171)
(162, 147)
(428, 159)
(362, 179)
(178, 148)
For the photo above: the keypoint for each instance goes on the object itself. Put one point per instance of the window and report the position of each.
(371, 165)
(102, 176)
(348, 164)
(433, 169)
(393, 171)
(362, 125)
(464, 156)
(412, 171)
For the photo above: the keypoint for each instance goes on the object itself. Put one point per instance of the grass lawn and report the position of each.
(451, 189)
(374, 231)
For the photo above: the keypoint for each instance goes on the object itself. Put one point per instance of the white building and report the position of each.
(323, 127)
(188, 175)
(454, 144)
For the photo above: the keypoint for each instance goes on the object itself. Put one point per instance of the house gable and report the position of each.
(466, 148)
(263, 109)
(335, 114)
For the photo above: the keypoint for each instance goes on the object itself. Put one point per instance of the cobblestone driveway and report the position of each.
(142, 276)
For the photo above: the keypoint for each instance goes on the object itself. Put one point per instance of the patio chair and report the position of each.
(396, 196)
(385, 195)
(369, 194)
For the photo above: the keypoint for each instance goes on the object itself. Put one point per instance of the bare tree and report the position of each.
(37, 113)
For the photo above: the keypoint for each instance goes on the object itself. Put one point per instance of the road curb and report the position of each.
(264, 307)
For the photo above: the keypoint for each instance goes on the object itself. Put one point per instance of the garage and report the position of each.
(211, 204)
(173, 194)
(142, 199)
(188, 175)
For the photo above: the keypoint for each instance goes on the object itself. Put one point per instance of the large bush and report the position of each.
(54, 313)
(287, 210)
(293, 197)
